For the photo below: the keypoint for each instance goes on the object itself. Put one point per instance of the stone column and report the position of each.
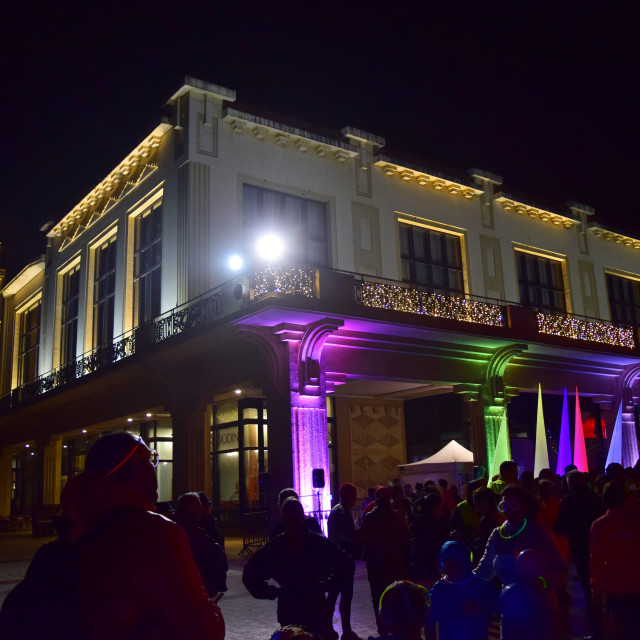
(493, 414)
(475, 426)
(5, 482)
(629, 436)
(309, 437)
(191, 449)
(52, 468)
(495, 396)
(307, 395)
(629, 389)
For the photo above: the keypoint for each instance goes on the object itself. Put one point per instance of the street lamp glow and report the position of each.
(269, 247)
(235, 262)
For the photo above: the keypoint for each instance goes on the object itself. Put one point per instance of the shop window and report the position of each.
(431, 260)
(540, 282)
(624, 299)
(158, 434)
(239, 446)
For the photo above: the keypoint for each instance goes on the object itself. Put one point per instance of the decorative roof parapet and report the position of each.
(261, 128)
(137, 166)
(613, 236)
(509, 203)
(485, 176)
(426, 177)
(220, 92)
(363, 136)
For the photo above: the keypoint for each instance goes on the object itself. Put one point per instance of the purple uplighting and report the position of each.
(564, 446)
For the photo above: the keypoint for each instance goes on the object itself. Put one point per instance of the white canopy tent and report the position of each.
(453, 462)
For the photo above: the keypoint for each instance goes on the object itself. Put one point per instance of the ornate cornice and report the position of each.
(614, 236)
(283, 135)
(135, 168)
(543, 215)
(425, 177)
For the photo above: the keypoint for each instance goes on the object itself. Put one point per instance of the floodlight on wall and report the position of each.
(235, 262)
(269, 247)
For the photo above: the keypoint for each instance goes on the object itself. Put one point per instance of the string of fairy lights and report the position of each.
(577, 329)
(294, 281)
(396, 298)
(289, 281)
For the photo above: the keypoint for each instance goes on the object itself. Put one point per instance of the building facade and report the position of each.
(406, 306)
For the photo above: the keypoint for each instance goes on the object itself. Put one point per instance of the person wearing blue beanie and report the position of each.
(462, 604)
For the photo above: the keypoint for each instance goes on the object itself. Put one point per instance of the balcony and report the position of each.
(462, 313)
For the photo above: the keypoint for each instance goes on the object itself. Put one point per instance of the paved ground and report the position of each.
(249, 619)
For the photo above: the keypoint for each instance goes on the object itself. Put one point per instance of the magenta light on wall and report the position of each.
(310, 451)
(615, 447)
(564, 446)
(579, 449)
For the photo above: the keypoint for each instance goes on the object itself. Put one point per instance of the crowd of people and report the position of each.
(438, 563)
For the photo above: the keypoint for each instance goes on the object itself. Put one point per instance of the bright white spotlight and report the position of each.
(269, 247)
(235, 262)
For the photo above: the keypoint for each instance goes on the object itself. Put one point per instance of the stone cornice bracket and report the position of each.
(470, 392)
(409, 173)
(494, 390)
(625, 386)
(310, 351)
(614, 236)
(509, 203)
(135, 168)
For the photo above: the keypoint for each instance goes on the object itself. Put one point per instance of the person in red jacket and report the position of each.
(136, 576)
(614, 562)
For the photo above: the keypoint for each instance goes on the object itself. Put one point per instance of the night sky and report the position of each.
(544, 95)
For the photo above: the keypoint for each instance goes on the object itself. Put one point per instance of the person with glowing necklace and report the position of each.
(520, 531)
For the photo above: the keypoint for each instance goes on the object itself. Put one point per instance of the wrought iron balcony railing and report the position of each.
(291, 281)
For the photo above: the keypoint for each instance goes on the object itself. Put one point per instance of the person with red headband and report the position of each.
(136, 576)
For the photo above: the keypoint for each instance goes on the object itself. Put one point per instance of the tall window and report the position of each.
(159, 435)
(302, 223)
(624, 299)
(540, 282)
(240, 454)
(69, 327)
(431, 259)
(28, 344)
(147, 265)
(104, 292)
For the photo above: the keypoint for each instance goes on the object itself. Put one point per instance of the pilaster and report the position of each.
(496, 396)
(5, 482)
(52, 467)
(629, 387)
(191, 448)
(308, 401)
